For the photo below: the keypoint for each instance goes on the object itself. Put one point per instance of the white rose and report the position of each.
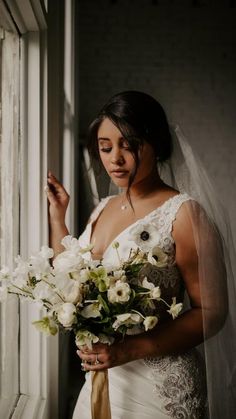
(150, 322)
(119, 293)
(72, 292)
(175, 309)
(66, 314)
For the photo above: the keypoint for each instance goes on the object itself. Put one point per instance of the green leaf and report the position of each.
(104, 304)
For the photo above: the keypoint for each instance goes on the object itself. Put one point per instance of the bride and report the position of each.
(158, 374)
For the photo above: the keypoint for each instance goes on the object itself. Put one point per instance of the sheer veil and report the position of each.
(217, 272)
(217, 269)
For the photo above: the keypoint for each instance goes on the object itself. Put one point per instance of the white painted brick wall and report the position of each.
(183, 55)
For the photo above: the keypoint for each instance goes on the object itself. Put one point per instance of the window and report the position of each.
(9, 211)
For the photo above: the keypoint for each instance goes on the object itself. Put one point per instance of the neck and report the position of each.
(146, 186)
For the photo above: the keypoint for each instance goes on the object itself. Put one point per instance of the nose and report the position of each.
(117, 156)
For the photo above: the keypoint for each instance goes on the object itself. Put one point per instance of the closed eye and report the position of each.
(106, 149)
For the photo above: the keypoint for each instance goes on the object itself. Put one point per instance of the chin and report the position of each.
(121, 183)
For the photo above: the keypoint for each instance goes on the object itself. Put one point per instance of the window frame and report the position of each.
(37, 395)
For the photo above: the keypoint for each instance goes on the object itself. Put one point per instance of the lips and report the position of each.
(119, 173)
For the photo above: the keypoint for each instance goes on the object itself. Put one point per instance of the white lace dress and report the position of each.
(163, 387)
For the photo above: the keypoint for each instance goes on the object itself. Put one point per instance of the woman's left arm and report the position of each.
(173, 336)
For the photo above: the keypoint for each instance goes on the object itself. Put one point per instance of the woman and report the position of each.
(157, 374)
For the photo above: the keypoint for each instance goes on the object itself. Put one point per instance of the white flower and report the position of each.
(157, 257)
(91, 311)
(67, 262)
(39, 266)
(71, 243)
(83, 276)
(3, 294)
(20, 281)
(84, 337)
(116, 275)
(46, 252)
(20, 274)
(150, 322)
(147, 284)
(145, 236)
(139, 258)
(42, 291)
(71, 292)
(66, 314)
(126, 319)
(175, 309)
(119, 293)
(155, 292)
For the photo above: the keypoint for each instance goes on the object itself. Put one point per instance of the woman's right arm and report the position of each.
(58, 200)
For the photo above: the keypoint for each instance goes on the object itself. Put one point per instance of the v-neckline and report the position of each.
(106, 200)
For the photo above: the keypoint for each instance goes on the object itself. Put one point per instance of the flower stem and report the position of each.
(137, 312)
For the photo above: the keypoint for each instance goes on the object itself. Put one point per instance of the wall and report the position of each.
(183, 53)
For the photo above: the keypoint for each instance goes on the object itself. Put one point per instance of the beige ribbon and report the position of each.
(100, 403)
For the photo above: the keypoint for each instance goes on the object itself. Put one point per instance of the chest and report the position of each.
(107, 228)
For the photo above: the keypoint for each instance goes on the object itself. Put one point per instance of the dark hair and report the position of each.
(139, 117)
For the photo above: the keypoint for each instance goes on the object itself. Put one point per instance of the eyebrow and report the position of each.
(108, 139)
(103, 139)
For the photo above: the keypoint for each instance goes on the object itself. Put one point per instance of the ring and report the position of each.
(96, 360)
(82, 365)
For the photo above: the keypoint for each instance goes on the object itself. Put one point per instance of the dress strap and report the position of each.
(98, 209)
(170, 211)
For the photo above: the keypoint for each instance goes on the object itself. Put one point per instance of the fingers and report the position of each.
(51, 197)
(93, 361)
(52, 180)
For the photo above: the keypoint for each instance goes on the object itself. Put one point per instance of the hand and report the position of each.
(103, 356)
(58, 200)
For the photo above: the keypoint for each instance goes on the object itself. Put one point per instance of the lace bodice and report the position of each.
(160, 219)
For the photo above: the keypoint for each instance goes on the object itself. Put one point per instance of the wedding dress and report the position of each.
(157, 388)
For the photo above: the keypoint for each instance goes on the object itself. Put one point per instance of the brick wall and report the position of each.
(180, 51)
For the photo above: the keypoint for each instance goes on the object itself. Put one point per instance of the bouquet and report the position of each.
(97, 301)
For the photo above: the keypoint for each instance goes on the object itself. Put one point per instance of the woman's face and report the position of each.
(117, 157)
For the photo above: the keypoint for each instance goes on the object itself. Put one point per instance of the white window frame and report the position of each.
(39, 355)
(9, 383)
(38, 393)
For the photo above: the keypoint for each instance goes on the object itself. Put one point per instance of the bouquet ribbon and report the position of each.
(100, 403)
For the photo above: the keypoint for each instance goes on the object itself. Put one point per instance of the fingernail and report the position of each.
(46, 189)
